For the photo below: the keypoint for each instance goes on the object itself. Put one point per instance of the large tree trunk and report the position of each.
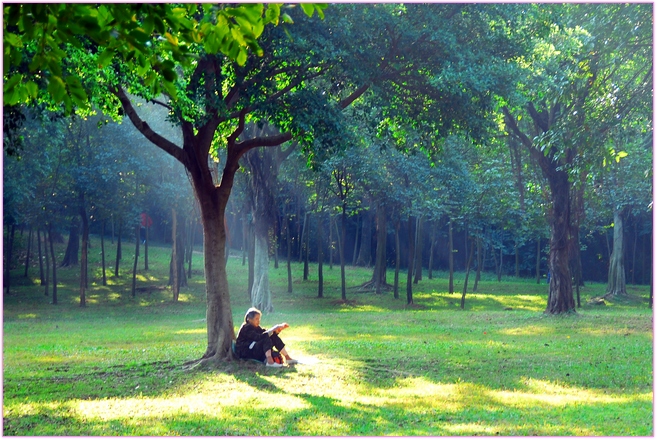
(616, 281)
(560, 297)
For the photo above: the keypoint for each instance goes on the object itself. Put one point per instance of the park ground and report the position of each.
(371, 366)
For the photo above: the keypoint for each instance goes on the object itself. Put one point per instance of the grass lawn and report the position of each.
(372, 366)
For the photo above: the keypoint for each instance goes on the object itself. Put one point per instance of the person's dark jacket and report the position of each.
(246, 336)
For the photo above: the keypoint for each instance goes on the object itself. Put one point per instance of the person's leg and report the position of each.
(280, 346)
(262, 351)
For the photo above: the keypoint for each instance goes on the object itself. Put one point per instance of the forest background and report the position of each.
(511, 138)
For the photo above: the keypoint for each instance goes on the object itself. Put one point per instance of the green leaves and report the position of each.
(140, 36)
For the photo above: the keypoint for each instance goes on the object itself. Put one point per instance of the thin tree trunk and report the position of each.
(40, 256)
(118, 249)
(517, 259)
(431, 249)
(245, 242)
(71, 255)
(46, 251)
(146, 245)
(397, 260)
(380, 266)
(306, 249)
(102, 252)
(538, 261)
(191, 248)
(467, 273)
(85, 251)
(451, 257)
(636, 238)
(418, 248)
(331, 242)
(411, 260)
(251, 253)
(320, 257)
(499, 272)
(29, 249)
(175, 286)
(9, 256)
(54, 265)
(341, 251)
(479, 264)
(354, 258)
(302, 238)
(134, 266)
(288, 243)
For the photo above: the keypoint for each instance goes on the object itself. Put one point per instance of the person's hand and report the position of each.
(281, 327)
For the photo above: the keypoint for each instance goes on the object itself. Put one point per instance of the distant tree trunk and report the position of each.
(175, 286)
(451, 256)
(46, 251)
(102, 252)
(306, 248)
(320, 257)
(245, 241)
(479, 265)
(380, 266)
(118, 249)
(54, 264)
(289, 253)
(331, 242)
(134, 266)
(467, 273)
(277, 242)
(71, 255)
(538, 261)
(616, 282)
(418, 248)
(397, 260)
(341, 245)
(85, 250)
(365, 254)
(41, 275)
(411, 260)
(636, 239)
(146, 239)
(431, 249)
(7, 277)
(302, 237)
(251, 253)
(29, 249)
(354, 257)
(517, 251)
(499, 270)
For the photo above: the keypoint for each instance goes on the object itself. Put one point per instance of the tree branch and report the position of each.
(141, 125)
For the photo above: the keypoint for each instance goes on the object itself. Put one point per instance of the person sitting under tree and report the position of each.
(254, 342)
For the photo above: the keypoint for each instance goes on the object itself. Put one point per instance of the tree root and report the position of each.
(370, 286)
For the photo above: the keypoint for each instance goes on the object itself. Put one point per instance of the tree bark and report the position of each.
(616, 279)
(306, 248)
(380, 266)
(46, 251)
(341, 246)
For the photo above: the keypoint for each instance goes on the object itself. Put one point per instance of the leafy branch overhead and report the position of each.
(151, 39)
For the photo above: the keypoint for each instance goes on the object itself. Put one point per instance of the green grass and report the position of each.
(374, 366)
